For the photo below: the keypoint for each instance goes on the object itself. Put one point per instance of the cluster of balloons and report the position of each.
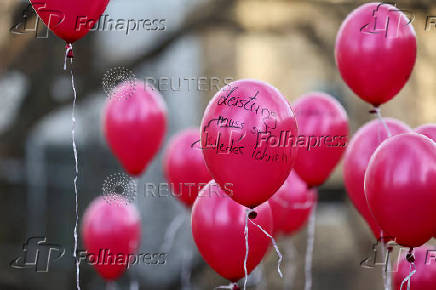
(251, 140)
(389, 169)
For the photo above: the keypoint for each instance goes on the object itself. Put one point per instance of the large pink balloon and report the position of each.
(218, 230)
(425, 276)
(70, 20)
(323, 131)
(184, 166)
(135, 120)
(400, 185)
(246, 136)
(376, 51)
(291, 205)
(428, 130)
(359, 151)
(111, 232)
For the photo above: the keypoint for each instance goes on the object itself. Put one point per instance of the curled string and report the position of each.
(408, 277)
(274, 245)
(309, 250)
(377, 111)
(76, 164)
(172, 229)
(247, 212)
(232, 286)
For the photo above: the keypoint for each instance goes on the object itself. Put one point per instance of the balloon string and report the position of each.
(275, 247)
(377, 111)
(110, 285)
(290, 266)
(408, 277)
(172, 229)
(76, 166)
(134, 285)
(247, 212)
(186, 270)
(309, 250)
(232, 286)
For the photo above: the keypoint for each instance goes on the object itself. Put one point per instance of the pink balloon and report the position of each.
(135, 120)
(184, 166)
(246, 132)
(291, 205)
(425, 276)
(428, 130)
(218, 230)
(359, 151)
(70, 20)
(376, 51)
(400, 185)
(111, 231)
(323, 131)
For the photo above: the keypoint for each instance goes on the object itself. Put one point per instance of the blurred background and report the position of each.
(289, 44)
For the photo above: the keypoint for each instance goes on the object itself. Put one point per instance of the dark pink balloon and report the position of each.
(425, 276)
(359, 151)
(376, 51)
(135, 120)
(111, 231)
(245, 136)
(184, 165)
(323, 131)
(428, 130)
(400, 185)
(70, 20)
(218, 230)
(291, 205)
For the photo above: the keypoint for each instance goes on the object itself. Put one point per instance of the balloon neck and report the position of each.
(236, 287)
(252, 214)
(69, 50)
(410, 257)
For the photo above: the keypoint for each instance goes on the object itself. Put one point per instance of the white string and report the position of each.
(110, 285)
(69, 48)
(309, 250)
(187, 269)
(172, 229)
(76, 169)
(408, 277)
(290, 266)
(134, 285)
(247, 212)
(230, 286)
(383, 250)
(275, 247)
(379, 116)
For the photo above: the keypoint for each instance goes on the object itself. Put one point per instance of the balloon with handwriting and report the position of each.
(184, 166)
(246, 135)
(323, 131)
(376, 51)
(400, 184)
(291, 205)
(111, 231)
(135, 120)
(69, 20)
(428, 130)
(425, 263)
(359, 151)
(218, 229)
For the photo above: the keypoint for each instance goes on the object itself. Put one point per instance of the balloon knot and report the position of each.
(410, 257)
(69, 49)
(252, 215)
(236, 287)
